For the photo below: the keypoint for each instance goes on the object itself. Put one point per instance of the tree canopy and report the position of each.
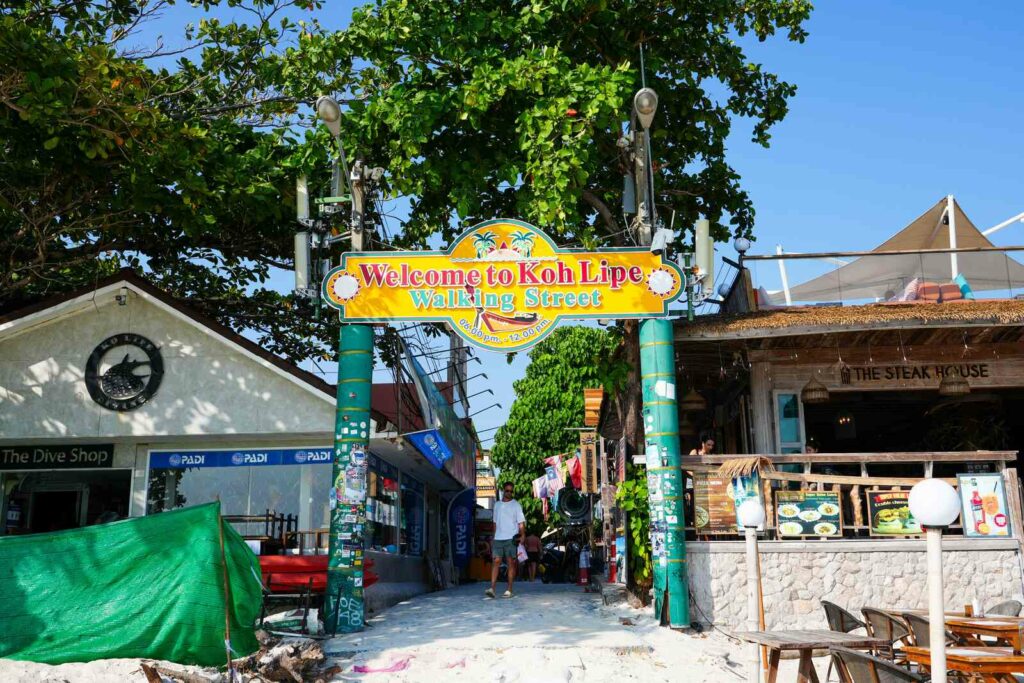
(549, 399)
(181, 159)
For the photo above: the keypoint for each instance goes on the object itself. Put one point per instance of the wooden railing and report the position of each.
(854, 486)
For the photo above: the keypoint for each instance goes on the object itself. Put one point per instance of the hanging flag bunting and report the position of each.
(540, 487)
(575, 472)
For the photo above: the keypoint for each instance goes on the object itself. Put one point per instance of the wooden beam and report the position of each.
(877, 458)
(849, 481)
(949, 353)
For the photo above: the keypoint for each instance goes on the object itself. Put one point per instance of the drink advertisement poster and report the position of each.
(744, 488)
(889, 514)
(809, 513)
(983, 510)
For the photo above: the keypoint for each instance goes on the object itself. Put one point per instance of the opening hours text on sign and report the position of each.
(502, 285)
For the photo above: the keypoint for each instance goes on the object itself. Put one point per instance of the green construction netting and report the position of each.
(144, 587)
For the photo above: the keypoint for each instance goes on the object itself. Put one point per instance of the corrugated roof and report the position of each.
(795, 320)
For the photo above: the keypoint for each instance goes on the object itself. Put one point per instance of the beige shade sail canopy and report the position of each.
(883, 276)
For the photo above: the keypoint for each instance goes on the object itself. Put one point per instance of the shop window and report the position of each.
(413, 532)
(789, 423)
(241, 490)
(381, 506)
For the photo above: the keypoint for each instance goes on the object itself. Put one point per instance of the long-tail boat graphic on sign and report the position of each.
(502, 285)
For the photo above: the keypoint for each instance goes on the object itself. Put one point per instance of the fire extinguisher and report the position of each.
(584, 573)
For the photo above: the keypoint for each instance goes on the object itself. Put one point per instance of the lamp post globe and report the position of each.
(934, 503)
(645, 103)
(750, 513)
(741, 244)
(329, 111)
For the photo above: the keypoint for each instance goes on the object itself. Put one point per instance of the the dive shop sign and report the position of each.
(503, 285)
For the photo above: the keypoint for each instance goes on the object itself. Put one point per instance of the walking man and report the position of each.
(509, 531)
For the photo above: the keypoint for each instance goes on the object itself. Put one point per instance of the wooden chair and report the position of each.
(1010, 608)
(881, 625)
(859, 667)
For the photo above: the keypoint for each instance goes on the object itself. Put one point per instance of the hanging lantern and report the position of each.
(953, 384)
(693, 402)
(814, 392)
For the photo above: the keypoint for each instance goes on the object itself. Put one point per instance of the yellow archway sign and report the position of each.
(503, 285)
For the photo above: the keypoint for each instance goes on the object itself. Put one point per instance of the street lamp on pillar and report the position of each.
(935, 505)
(751, 517)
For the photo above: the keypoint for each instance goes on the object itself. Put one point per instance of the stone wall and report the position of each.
(797, 575)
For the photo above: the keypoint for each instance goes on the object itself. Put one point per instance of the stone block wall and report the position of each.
(797, 575)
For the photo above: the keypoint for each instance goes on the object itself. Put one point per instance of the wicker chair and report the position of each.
(1010, 608)
(920, 635)
(842, 621)
(839, 619)
(881, 625)
(858, 667)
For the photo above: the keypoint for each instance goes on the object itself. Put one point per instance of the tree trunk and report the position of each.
(631, 404)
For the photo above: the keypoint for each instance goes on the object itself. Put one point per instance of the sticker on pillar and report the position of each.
(652, 455)
(666, 390)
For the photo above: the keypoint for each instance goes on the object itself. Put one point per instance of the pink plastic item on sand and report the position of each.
(372, 668)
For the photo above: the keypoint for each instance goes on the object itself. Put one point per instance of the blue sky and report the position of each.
(899, 104)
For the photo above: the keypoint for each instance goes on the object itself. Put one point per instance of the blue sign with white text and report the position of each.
(432, 445)
(239, 458)
(460, 527)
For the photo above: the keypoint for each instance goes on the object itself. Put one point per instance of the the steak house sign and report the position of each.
(502, 285)
(917, 374)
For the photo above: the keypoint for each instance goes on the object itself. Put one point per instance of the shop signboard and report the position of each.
(446, 442)
(889, 514)
(503, 285)
(983, 509)
(717, 498)
(239, 457)
(588, 462)
(56, 457)
(460, 525)
(713, 510)
(809, 513)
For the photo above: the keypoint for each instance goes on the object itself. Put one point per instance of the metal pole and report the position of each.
(952, 236)
(664, 478)
(936, 611)
(785, 279)
(344, 606)
(753, 618)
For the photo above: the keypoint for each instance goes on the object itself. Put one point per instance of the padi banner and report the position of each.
(503, 285)
(460, 526)
(259, 457)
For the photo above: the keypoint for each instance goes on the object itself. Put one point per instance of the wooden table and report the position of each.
(806, 642)
(1008, 631)
(990, 663)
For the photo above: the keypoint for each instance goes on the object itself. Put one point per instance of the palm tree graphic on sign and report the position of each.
(484, 242)
(522, 241)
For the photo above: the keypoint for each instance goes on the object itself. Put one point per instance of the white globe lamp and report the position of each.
(934, 503)
(750, 514)
(741, 244)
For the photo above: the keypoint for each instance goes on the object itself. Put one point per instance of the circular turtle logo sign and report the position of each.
(503, 285)
(123, 372)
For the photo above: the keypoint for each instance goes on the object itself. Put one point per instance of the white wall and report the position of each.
(208, 387)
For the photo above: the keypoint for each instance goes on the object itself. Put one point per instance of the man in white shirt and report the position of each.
(509, 531)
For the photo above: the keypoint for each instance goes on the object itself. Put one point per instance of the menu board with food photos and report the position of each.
(889, 514)
(808, 513)
(713, 510)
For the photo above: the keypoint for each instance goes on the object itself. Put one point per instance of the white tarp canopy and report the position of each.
(883, 276)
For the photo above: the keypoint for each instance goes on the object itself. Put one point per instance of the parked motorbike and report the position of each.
(558, 565)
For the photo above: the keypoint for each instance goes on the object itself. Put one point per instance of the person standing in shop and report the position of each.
(509, 531)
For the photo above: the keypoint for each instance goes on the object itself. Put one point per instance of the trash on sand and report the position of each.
(379, 667)
(625, 621)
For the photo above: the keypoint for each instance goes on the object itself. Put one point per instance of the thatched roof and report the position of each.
(796, 320)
